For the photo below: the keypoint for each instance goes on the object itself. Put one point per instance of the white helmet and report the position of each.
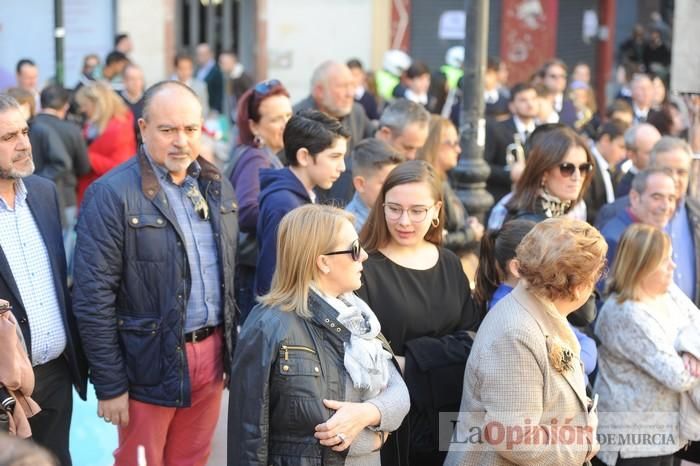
(396, 62)
(455, 56)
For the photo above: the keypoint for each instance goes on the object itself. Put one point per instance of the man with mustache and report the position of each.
(33, 280)
(153, 293)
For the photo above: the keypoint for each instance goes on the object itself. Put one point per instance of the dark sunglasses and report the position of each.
(567, 169)
(355, 251)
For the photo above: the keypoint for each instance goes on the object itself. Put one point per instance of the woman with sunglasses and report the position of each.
(423, 301)
(557, 174)
(315, 380)
(555, 178)
(263, 112)
(441, 150)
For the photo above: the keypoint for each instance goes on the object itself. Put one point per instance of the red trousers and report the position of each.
(179, 436)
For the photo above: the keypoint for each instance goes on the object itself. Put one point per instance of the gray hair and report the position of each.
(401, 113)
(641, 179)
(668, 144)
(320, 74)
(8, 102)
(631, 137)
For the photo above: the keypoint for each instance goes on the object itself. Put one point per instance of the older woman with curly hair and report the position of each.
(524, 377)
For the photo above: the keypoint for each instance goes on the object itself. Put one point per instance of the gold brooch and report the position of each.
(560, 356)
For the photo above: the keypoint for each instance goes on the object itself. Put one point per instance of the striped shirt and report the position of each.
(26, 253)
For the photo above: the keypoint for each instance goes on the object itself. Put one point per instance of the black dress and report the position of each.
(425, 315)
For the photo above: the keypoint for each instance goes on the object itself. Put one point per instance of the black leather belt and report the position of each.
(199, 334)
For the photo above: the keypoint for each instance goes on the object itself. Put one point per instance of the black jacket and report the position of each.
(43, 203)
(75, 145)
(132, 282)
(596, 196)
(499, 135)
(51, 159)
(283, 369)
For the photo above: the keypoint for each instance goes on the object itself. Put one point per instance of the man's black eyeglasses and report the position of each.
(355, 251)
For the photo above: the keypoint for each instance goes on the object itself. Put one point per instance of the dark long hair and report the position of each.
(497, 249)
(547, 150)
(375, 234)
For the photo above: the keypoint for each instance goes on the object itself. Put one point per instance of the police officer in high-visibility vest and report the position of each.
(394, 64)
(452, 69)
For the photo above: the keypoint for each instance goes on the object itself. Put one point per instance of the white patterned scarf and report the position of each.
(365, 360)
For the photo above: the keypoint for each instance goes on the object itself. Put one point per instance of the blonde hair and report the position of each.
(304, 234)
(431, 148)
(641, 250)
(559, 255)
(107, 103)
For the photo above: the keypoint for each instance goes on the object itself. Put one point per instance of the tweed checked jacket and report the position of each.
(510, 378)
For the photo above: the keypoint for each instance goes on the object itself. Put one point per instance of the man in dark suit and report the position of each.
(500, 135)
(608, 151)
(209, 72)
(553, 75)
(495, 99)
(642, 97)
(33, 280)
(236, 82)
(55, 101)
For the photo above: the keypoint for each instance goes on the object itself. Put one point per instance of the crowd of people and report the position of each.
(318, 267)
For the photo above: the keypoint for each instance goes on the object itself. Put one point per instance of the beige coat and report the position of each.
(510, 377)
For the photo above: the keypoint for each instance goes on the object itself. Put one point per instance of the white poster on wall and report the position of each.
(451, 25)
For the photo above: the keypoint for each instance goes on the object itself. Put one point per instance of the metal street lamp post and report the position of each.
(471, 172)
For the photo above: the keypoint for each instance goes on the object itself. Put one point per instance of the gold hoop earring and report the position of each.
(435, 222)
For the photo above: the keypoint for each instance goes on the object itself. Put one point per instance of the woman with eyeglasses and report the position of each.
(423, 301)
(315, 380)
(263, 112)
(557, 173)
(441, 150)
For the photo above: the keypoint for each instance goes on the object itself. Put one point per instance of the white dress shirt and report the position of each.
(604, 170)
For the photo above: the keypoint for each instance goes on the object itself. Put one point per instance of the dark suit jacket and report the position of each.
(77, 152)
(498, 108)
(595, 196)
(43, 202)
(567, 115)
(499, 134)
(624, 184)
(215, 88)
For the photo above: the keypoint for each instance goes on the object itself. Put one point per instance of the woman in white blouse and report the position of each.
(648, 356)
